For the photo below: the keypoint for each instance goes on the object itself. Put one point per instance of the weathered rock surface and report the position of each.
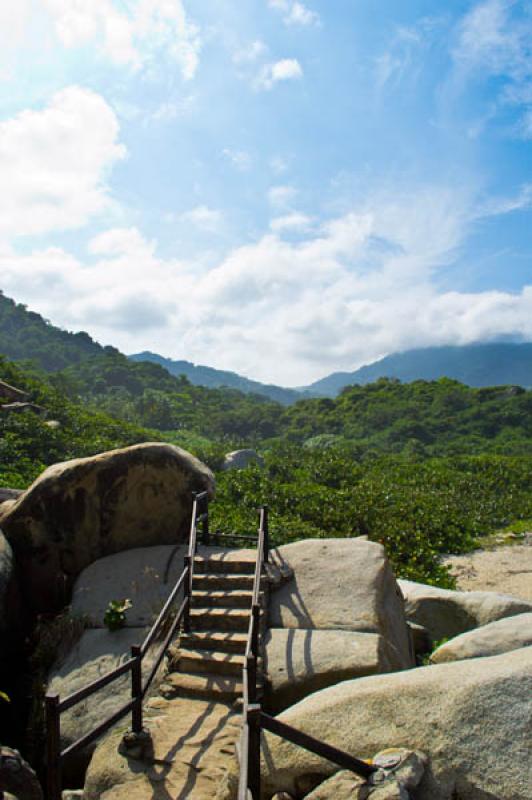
(193, 744)
(97, 652)
(6, 579)
(342, 584)
(81, 510)
(145, 575)
(497, 637)
(299, 662)
(447, 613)
(472, 718)
(9, 494)
(343, 785)
(240, 459)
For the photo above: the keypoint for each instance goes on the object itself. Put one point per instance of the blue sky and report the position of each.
(284, 188)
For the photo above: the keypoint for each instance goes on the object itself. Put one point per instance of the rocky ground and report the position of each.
(506, 569)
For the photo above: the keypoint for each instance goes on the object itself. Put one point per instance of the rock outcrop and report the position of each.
(497, 637)
(145, 575)
(9, 494)
(81, 510)
(299, 662)
(6, 579)
(97, 652)
(346, 585)
(192, 745)
(240, 459)
(445, 613)
(472, 718)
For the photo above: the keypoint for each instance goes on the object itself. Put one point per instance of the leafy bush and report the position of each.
(115, 614)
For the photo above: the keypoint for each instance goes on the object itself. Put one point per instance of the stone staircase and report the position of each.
(207, 662)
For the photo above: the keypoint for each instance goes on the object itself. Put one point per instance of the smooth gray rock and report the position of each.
(472, 719)
(240, 459)
(446, 613)
(299, 662)
(342, 584)
(9, 494)
(497, 637)
(97, 652)
(145, 575)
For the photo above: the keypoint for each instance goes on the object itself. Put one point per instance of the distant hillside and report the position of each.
(216, 378)
(479, 365)
(26, 335)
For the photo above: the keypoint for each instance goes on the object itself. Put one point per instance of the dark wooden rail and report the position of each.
(55, 706)
(254, 720)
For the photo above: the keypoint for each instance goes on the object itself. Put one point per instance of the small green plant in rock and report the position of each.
(115, 614)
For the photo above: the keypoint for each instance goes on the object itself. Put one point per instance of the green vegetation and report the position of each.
(416, 509)
(28, 444)
(115, 614)
(425, 468)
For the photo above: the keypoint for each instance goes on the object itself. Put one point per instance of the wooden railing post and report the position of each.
(187, 592)
(53, 747)
(136, 688)
(253, 720)
(205, 522)
(264, 525)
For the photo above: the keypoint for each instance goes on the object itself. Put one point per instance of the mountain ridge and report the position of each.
(478, 365)
(212, 378)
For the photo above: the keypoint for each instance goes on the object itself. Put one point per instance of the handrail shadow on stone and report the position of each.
(255, 720)
(55, 706)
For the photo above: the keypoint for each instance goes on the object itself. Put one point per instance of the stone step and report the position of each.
(222, 565)
(222, 641)
(228, 580)
(227, 599)
(202, 661)
(219, 619)
(223, 688)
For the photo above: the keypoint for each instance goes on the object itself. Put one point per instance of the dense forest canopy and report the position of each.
(424, 467)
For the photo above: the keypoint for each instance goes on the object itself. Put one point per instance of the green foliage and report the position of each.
(418, 511)
(28, 444)
(115, 614)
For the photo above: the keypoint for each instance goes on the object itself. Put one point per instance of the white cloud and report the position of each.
(295, 12)
(493, 40)
(291, 222)
(287, 69)
(281, 197)
(250, 54)
(359, 286)
(240, 159)
(131, 35)
(54, 163)
(203, 217)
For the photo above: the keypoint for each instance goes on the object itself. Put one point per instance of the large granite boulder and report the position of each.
(342, 584)
(7, 494)
(81, 510)
(145, 575)
(299, 662)
(6, 582)
(497, 637)
(472, 719)
(445, 613)
(97, 652)
(240, 459)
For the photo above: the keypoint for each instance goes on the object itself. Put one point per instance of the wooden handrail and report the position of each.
(54, 706)
(254, 720)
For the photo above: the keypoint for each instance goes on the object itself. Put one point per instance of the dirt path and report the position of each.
(506, 569)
